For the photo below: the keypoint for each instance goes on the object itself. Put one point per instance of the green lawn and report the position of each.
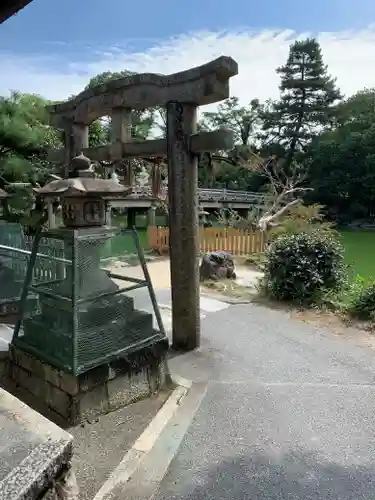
(360, 252)
(124, 244)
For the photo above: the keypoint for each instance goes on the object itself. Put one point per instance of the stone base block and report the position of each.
(96, 392)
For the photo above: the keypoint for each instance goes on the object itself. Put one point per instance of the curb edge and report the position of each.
(144, 444)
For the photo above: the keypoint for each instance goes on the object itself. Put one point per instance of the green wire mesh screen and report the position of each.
(13, 264)
(85, 313)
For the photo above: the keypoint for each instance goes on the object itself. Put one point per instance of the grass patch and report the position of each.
(229, 288)
(359, 247)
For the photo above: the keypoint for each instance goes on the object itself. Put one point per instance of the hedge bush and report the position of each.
(362, 300)
(303, 266)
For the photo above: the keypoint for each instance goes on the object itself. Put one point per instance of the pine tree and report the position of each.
(307, 102)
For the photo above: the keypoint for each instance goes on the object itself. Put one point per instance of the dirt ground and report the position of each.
(160, 273)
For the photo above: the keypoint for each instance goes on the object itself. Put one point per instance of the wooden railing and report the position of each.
(230, 195)
(213, 195)
(235, 241)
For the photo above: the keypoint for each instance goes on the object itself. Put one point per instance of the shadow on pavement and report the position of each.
(291, 476)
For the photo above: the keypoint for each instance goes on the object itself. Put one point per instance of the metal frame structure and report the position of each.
(29, 286)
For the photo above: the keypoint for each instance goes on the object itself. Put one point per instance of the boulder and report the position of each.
(217, 266)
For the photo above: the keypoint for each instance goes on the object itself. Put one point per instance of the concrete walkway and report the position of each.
(287, 412)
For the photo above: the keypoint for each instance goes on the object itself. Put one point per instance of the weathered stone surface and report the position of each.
(33, 450)
(58, 400)
(89, 405)
(204, 84)
(217, 266)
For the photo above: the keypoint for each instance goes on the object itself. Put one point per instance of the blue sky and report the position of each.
(86, 24)
(58, 44)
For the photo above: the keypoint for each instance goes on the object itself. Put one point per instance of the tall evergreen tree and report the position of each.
(307, 102)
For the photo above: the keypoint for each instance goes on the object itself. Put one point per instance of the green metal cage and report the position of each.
(14, 258)
(85, 315)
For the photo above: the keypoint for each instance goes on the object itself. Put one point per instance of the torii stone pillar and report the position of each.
(76, 140)
(121, 127)
(183, 225)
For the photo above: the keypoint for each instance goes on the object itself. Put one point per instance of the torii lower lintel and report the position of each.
(203, 142)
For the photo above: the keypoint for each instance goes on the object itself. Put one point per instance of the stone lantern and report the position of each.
(85, 319)
(202, 215)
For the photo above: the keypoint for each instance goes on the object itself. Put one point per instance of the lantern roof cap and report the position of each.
(83, 186)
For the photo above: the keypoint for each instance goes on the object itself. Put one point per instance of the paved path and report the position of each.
(208, 305)
(289, 413)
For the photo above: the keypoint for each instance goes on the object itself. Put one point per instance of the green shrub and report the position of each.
(361, 299)
(302, 219)
(302, 266)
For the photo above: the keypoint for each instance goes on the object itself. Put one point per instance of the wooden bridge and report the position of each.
(208, 198)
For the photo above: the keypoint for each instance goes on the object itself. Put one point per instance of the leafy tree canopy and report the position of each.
(342, 170)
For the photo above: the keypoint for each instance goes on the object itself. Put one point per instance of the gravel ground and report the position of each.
(100, 446)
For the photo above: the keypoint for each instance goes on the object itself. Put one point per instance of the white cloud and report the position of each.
(349, 55)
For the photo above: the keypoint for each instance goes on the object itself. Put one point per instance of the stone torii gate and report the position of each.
(181, 94)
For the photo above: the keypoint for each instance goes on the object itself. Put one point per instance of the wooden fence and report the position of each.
(235, 241)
